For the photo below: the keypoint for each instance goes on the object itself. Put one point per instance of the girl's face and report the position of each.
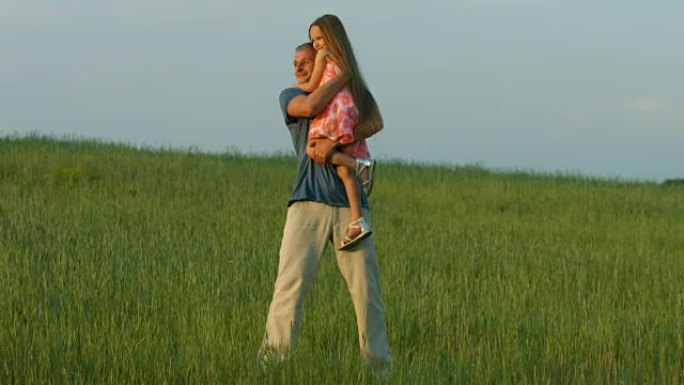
(317, 38)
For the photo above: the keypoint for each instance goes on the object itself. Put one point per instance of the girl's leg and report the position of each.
(353, 190)
(338, 158)
(351, 186)
(341, 159)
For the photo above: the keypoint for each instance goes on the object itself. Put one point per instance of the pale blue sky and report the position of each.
(594, 87)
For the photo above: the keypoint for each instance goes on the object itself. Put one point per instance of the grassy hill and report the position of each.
(123, 265)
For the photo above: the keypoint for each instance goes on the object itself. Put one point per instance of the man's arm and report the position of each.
(306, 106)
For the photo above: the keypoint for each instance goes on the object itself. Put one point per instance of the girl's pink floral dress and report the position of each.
(338, 119)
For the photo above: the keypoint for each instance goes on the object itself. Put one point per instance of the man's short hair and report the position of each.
(306, 45)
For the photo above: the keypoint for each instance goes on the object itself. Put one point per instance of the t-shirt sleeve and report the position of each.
(285, 97)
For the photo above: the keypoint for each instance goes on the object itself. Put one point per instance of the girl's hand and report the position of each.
(322, 54)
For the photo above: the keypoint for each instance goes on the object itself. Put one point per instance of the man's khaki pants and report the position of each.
(308, 229)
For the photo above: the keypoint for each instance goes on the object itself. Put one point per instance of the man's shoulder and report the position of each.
(290, 92)
(286, 97)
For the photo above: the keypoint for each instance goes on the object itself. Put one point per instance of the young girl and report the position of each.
(350, 106)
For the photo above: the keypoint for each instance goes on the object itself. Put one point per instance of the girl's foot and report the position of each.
(356, 231)
(365, 169)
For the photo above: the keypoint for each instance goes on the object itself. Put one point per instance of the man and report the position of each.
(318, 213)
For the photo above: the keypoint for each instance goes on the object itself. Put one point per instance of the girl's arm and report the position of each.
(307, 106)
(317, 73)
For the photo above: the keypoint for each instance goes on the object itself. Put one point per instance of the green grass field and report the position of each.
(127, 266)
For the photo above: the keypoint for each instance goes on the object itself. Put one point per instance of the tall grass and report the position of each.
(121, 265)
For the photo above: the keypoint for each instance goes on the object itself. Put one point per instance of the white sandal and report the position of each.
(362, 164)
(365, 228)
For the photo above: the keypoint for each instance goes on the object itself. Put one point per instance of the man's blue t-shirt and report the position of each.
(315, 182)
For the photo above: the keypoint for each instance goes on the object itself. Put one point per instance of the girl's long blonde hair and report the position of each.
(370, 120)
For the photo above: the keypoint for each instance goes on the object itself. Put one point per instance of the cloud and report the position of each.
(650, 103)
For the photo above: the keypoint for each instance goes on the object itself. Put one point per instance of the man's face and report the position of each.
(304, 64)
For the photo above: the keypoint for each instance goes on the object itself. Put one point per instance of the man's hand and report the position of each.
(320, 149)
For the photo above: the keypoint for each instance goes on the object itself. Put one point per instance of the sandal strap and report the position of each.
(362, 164)
(360, 223)
(354, 225)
